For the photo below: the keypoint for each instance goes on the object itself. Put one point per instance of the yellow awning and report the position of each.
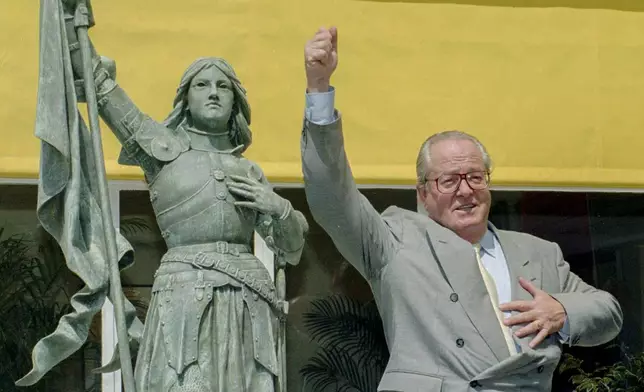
(555, 93)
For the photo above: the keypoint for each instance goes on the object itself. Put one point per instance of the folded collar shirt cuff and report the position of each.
(320, 107)
(564, 332)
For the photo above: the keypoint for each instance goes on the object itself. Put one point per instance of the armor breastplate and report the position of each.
(192, 202)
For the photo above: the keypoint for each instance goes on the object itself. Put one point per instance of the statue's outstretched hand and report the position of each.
(258, 196)
(321, 59)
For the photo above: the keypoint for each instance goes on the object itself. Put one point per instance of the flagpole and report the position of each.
(280, 283)
(81, 21)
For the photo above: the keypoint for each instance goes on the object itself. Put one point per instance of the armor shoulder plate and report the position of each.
(159, 141)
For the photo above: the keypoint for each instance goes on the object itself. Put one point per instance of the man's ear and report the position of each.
(421, 195)
(421, 192)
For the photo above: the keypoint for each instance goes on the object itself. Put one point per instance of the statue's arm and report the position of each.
(115, 107)
(284, 234)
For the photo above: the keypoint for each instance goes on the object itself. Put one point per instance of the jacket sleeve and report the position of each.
(594, 316)
(358, 231)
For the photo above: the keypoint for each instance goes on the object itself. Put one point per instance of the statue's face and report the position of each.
(210, 99)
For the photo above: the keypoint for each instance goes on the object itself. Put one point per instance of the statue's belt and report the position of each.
(209, 257)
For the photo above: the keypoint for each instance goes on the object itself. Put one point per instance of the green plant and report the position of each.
(352, 353)
(626, 375)
(33, 297)
(133, 225)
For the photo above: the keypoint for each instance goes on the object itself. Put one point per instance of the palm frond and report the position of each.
(336, 368)
(33, 298)
(134, 225)
(340, 321)
(30, 307)
(352, 353)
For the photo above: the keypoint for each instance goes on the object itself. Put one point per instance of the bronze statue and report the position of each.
(213, 317)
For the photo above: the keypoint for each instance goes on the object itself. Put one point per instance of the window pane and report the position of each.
(34, 295)
(617, 229)
(601, 236)
(138, 225)
(326, 279)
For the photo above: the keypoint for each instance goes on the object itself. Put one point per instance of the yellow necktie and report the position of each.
(494, 297)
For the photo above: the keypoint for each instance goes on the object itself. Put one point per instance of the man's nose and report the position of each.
(464, 188)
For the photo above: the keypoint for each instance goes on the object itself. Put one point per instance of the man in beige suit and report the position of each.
(465, 306)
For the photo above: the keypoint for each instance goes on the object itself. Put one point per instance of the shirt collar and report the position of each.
(488, 243)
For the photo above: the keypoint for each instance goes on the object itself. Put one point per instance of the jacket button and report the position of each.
(453, 297)
(474, 384)
(540, 369)
(460, 342)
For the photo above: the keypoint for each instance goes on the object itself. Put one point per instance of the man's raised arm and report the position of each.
(355, 227)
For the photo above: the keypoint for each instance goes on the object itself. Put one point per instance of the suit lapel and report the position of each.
(519, 265)
(458, 262)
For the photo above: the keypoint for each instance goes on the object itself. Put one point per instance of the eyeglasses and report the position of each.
(449, 183)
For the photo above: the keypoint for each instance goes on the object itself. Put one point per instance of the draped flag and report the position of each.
(68, 203)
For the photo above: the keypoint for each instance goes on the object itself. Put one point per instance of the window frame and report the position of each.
(111, 382)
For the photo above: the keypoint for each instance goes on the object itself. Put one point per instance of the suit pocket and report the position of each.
(407, 381)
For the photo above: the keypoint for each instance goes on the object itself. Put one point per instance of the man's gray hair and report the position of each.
(424, 160)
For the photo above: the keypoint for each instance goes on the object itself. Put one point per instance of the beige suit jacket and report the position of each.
(440, 326)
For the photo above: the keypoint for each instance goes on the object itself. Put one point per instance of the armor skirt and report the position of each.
(207, 332)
